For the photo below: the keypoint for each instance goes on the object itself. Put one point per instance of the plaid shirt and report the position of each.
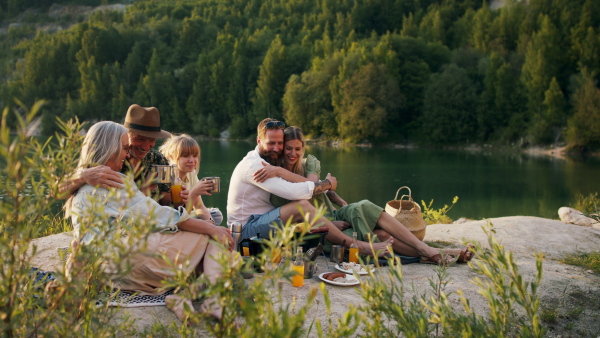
(153, 157)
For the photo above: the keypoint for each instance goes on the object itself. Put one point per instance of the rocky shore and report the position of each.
(564, 287)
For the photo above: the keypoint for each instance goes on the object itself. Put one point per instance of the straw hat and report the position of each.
(145, 122)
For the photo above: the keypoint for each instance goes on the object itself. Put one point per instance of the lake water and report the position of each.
(488, 184)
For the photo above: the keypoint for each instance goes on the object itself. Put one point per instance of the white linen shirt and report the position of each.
(122, 205)
(247, 197)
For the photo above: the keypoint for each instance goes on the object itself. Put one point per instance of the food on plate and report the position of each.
(344, 280)
(357, 267)
(333, 275)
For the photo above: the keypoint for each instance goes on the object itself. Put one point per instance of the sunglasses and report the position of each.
(274, 124)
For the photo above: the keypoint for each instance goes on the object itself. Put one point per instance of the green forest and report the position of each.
(432, 72)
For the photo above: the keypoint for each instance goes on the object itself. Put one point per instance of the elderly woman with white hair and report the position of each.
(178, 236)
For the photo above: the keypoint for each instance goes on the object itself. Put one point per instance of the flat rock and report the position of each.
(562, 284)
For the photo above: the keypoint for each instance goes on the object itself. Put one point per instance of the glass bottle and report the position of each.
(353, 255)
(298, 267)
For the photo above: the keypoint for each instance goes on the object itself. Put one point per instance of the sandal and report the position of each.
(463, 258)
(438, 260)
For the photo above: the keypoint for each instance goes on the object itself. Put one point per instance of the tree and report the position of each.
(583, 130)
(481, 31)
(432, 27)
(271, 83)
(369, 97)
(448, 115)
(307, 101)
(547, 129)
(409, 27)
(542, 62)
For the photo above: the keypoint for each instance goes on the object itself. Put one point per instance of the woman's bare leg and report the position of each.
(335, 235)
(400, 233)
(398, 247)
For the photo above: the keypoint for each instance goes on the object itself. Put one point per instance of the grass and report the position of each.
(587, 260)
(549, 314)
(440, 244)
(587, 204)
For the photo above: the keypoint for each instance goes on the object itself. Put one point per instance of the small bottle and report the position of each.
(353, 255)
(298, 267)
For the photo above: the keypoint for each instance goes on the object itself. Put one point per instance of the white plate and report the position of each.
(353, 280)
(350, 272)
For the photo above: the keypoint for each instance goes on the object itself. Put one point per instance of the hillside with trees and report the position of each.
(440, 72)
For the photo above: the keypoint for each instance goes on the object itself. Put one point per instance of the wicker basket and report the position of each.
(407, 212)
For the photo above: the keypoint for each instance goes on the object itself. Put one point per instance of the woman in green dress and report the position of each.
(364, 217)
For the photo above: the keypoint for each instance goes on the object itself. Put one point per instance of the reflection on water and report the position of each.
(487, 184)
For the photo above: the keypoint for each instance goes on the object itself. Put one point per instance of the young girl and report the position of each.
(184, 152)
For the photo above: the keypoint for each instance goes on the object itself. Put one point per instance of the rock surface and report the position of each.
(565, 288)
(573, 216)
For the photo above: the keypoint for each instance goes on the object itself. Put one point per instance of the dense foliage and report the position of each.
(429, 71)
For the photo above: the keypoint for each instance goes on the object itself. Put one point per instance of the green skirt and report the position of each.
(362, 216)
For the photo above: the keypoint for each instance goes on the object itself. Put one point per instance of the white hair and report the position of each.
(101, 142)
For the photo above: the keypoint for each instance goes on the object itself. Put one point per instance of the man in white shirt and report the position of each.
(248, 201)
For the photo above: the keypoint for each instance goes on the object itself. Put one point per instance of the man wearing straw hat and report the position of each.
(144, 129)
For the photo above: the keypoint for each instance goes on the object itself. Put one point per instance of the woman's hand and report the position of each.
(268, 171)
(222, 235)
(333, 182)
(341, 225)
(202, 188)
(184, 194)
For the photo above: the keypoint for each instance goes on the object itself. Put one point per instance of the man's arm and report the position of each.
(100, 176)
(329, 183)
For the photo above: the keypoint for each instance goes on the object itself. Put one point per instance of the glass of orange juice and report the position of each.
(176, 185)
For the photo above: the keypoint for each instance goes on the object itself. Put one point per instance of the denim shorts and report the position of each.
(263, 224)
(216, 215)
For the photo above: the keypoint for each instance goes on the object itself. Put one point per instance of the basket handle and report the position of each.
(398, 192)
(401, 198)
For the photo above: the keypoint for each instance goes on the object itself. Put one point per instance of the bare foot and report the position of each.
(463, 255)
(380, 248)
(445, 259)
(212, 308)
(178, 305)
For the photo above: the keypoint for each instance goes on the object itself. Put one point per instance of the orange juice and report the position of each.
(175, 191)
(298, 278)
(353, 255)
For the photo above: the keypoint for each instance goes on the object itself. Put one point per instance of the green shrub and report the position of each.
(28, 175)
(439, 216)
(587, 204)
